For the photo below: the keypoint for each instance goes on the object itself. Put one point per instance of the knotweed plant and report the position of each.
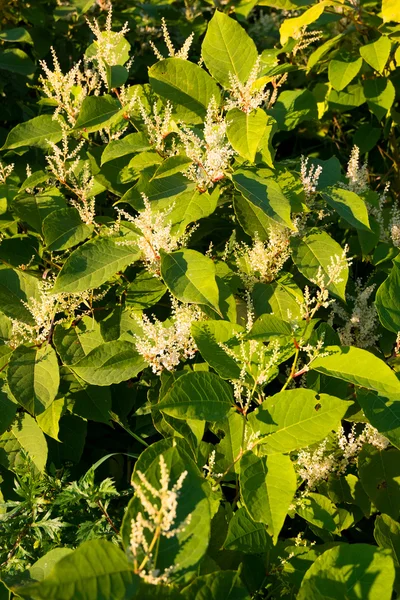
(183, 53)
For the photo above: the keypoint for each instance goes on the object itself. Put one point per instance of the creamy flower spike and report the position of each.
(157, 519)
(183, 53)
(5, 171)
(309, 177)
(357, 175)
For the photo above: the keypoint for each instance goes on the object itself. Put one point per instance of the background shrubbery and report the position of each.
(199, 299)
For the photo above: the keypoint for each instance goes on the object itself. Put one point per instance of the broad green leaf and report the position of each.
(267, 326)
(98, 112)
(380, 477)
(293, 107)
(35, 132)
(90, 402)
(230, 447)
(278, 298)
(228, 50)
(190, 206)
(110, 363)
(350, 98)
(16, 288)
(251, 218)
(292, 27)
(314, 251)
(215, 586)
(377, 53)
(92, 264)
(33, 377)
(199, 396)
(245, 131)
(63, 229)
(172, 165)
(267, 486)
(75, 342)
(186, 85)
(190, 276)
(209, 335)
(351, 571)
(321, 50)
(144, 291)
(43, 567)
(382, 413)
(341, 72)
(390, 11)
(16, 34)
(294, 419)
(18, 250)
(245, 535)
(359, 367)
(349, 206)
(49, 420)
(33, 209)
(134, 142)
(387, 535)
(264, 193)
(386, 300)
(380, 94)
(188, 547)
(23, 438)
(96, 570)
(319, 511)
(16, 61)
(8, 408)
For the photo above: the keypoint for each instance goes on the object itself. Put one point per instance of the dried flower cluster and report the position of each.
(164, 344)
(156, 520)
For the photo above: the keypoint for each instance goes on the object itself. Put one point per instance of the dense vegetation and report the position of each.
(199, 299)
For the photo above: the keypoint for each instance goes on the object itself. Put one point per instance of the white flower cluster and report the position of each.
(250, 95)
(164, 344)
(68, 169)
(357, 175)
(108, 45)
(360, 328)
(212, 154)
(156, 520)
(44, 311)
(305, 38)
(155, 234)
(158, 126)
(262, 261)
(309, 177)
(5, 171)
(182, 53)
(317, 465)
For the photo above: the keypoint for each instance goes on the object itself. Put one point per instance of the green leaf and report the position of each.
(319, 511)
(245, 131)
(321, 50)
(24, 437)
(96, 570)
(134, 142)
(314, 251)
(215, 586)
(16, 61)
(377, 53)
(190, 206)
(386, 300)
(293, 107)
(17, 34)
(17, 287)
(43, 567)
(390, 11)
(90, 402)
(188, 87)
(144, 291)
(380, 94)
(387, 535)
(382, 413)
(228, 50)
(358, 367)
(267, 326)
(351, 571)
(267, 485)
(34, 209)
(265, 194)
(278, 298)
(341, 72)
(349, 206)
(208, 336)
(35, 132)
(8, 408)
(92, 264)
(172, 165)
(292, 27)
(198, 395)
(75, 342)
(380, 477)
(49, 420)
(247, 536)
(110, 363)
(98, 112)
(63, 229)
(295, 419)
(190, 276)
(33, 377)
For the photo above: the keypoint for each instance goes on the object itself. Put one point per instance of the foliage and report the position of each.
(199, 282)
